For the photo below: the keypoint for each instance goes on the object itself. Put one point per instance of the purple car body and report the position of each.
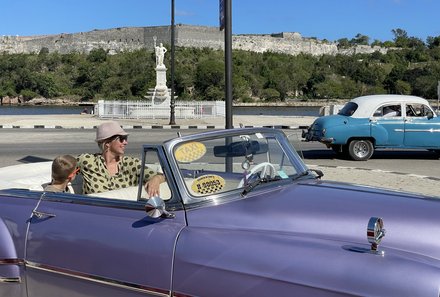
(226, 230)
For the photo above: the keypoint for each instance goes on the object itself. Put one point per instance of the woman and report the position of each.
(111, 169)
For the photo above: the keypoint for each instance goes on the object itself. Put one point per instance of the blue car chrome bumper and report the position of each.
(308, 135)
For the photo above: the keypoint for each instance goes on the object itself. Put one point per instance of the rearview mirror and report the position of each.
(155, 208)
(240, 149)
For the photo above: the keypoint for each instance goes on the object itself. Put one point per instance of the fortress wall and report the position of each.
(200, 37)
(162, 34)
(134, 38)
(290, 46)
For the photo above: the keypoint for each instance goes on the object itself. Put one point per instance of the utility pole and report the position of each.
(172, 103)
(227, 18)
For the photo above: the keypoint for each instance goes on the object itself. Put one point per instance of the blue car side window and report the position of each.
(417, 110)
(391, 110)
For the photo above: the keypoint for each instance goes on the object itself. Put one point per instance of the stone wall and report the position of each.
(134, 38)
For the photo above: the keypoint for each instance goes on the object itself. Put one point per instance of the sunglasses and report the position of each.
(121, 138)
(77, 169)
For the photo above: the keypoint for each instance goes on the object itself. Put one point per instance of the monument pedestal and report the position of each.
(161, 81)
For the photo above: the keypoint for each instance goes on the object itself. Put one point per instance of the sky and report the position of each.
(322, 19)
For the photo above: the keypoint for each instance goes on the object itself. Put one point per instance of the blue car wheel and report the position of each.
(360, 149)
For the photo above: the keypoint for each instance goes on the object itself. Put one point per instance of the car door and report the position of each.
(93, 246)
(387, 126)
(421, 131)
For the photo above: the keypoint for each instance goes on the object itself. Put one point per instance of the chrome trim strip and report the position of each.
(98, 279)
(418, 130)
(10, 280)
(11, 261)
(423, 130)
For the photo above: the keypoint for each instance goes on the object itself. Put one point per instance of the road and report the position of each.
(29, 145)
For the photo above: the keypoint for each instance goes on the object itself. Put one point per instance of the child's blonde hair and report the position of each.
(62, 167)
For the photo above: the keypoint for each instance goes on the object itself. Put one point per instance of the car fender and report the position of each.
(381, 135)
(7, 248)
(352, 128)
(11, 267)
(266, 264)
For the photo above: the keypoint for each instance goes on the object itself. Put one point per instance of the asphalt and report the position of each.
(425, 185)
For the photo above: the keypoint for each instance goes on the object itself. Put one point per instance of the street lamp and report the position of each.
(227, 14)
(172, 103)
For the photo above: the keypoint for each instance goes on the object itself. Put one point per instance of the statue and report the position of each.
(160, 90)
(160, 54)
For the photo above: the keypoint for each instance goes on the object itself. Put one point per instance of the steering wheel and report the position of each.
(265, 168)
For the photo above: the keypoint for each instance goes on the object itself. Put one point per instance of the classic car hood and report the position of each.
(330, 210)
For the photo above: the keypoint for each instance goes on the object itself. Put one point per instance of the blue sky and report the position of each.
(324, 19)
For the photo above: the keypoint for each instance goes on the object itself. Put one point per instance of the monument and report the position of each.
(160, 94)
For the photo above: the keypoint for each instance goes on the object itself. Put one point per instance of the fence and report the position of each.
(146, 110)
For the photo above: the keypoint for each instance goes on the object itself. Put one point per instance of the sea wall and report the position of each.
(133, 38)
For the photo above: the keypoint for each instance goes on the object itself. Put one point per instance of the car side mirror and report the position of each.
(155, 208)
(430, 115)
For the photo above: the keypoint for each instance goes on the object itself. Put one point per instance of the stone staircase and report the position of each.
(159, 97)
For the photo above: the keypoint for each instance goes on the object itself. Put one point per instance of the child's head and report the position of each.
(63, 168)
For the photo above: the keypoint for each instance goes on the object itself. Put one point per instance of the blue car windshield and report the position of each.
(348, 109)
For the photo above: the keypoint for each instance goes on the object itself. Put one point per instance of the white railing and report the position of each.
(146, 110)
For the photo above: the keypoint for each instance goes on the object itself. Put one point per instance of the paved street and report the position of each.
(20, 141)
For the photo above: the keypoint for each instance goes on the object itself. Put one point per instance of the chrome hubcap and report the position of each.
(361, 149)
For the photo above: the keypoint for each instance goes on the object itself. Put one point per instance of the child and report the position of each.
(64, 170)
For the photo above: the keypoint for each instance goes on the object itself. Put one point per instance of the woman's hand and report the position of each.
(153, 185)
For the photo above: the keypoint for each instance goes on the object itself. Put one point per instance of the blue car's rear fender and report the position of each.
(343, 129)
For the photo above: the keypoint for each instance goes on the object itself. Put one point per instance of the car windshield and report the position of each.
(226, 163)
(348, 109)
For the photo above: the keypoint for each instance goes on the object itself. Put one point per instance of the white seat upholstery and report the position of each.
(26, 176)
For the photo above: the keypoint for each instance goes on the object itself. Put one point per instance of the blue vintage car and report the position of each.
(378, 121)
(239, 215)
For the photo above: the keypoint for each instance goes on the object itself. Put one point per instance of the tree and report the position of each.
(343, 43)
(402, 87)
(400, 38)
(433, 42)
(360, 39)
(337, 87)
(270, 94)
(210, 72)
(97, 55)
(214, 93)
(377, 42)
(396, 74)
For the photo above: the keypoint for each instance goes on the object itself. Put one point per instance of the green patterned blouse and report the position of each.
(97, 178)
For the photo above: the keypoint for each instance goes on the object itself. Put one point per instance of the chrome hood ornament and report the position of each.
(375, 233)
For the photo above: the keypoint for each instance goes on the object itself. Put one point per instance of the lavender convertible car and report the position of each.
(239, 215)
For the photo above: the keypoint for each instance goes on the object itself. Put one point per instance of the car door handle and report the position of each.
(41, 215)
